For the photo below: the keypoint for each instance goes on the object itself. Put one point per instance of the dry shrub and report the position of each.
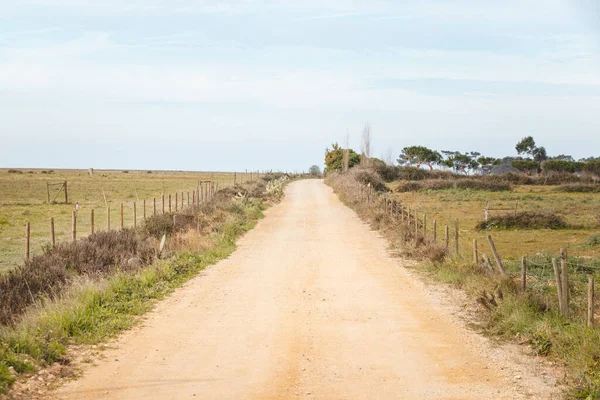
(579, 188)
(462, 184)
(191, 240)
(158, 225)
(369, 177)
(524, 220)
(477, 184)
(15, 171)
(409, 186)
(46, 275)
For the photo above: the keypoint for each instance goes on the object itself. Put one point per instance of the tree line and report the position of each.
(529, 159)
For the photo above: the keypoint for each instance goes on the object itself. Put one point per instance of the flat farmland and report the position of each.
(581, 211)
(23, 198)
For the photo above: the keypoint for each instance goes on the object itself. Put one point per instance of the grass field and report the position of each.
(580, 210)
(23, 198)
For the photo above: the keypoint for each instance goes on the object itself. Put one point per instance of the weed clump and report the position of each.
(524, 220)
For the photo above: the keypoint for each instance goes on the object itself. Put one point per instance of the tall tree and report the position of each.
(334, 158)
(419, 155)
(365, 144)
(461, 162)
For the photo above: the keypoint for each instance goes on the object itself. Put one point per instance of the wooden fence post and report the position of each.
(558, 284)
(496, 256)
(74, 226)
(144, 209)
(176, 201)
(475, 253)
(66, 195)
(154, 206)
(424, 225)
(194, 197)
(48, 191)
(523, 274)
(435, 230)
(590, 316)
(134, 215)
(234, 178)
(92, 221)
(52, 237)
(456, 236)
(107, 219)
(169, 203)
(416, 227)
(182, 200)
(162, 196)
(188, 197)
(447, 236)
(27, 240)
(121, 216)
(565, 281)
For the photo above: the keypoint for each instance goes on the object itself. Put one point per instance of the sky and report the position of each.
(249, 84)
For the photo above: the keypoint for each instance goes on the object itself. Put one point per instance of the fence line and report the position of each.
(553, 273)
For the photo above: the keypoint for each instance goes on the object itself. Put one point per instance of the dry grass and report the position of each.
(23, 199)
(405, 241)
(577, 209)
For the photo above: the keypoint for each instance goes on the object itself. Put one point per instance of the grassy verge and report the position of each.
(505, 310)
(531, 316)
(95, 309)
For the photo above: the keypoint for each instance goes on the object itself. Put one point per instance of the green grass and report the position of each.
(526, 316)
(93, 310)
(23, 199)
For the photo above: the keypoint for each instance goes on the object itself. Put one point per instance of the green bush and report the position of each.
(524, 220)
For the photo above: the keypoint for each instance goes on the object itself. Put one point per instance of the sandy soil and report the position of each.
(310, 306)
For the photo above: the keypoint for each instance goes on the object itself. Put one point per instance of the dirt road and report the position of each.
(309, 306)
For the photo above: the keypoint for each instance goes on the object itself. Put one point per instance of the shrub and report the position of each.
(491, 186)
(409, 186)
(562, 166)
(461, 184)
(15, 171)
(47, 275)
(579, 188)
(388, 173)
(523, 220)
(367, 176)
(412, 174)
(158, 225)
(272, 176)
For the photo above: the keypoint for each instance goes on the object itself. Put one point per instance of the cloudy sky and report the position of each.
(245, 84)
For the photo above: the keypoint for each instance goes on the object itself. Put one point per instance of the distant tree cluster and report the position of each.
(530, 159)
(334, 158)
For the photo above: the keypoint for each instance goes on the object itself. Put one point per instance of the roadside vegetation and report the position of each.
(532, 204)
(24, 195)
(90, 290)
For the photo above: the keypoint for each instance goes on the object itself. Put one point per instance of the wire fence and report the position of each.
(544, 273)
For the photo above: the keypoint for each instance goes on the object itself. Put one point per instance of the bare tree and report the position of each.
(365, 145)
(388, 157)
